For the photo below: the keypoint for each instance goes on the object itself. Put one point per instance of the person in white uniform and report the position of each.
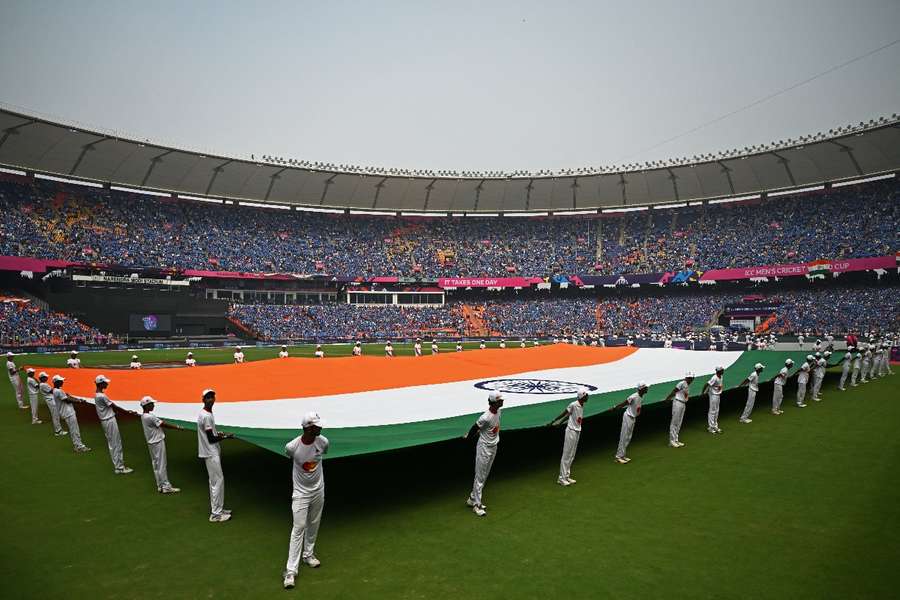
(536, 343)
(819, 376)
(502, 344)
(459, 347)
(572, 416)
(857, 363)
(679, 397)
(208, 448)
(389, 350)
(47, 392)
(190, 361)
(13, 372)
(417, 347)
(66, 405)
(156, 444)
(846, 363)
(283, 353)
(319, 353)
(33, 386)
(488, 428)
(866, 365)
(800, 340)
(308, 498)
(482, 345)
(778, 389)
(73, 361)
(752, 381)
(357, 349)
(714, 388)
(434, 347)
(106, 412)
(238, 355)
(802, 380)
(135, 363)
(632, 406)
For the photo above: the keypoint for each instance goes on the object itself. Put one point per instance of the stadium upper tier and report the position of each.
(50, 220)
(34, 144)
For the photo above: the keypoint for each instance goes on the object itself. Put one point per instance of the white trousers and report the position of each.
(216, 485)
(625, 435)
(16, 383)
(160, 465)
(678, 408)
(865, 371)
(33, 400)
(777, 396)
(570, 445)
(845, 371)
(712, 419)
(74, 431)
(817, 385)
(54, 414)
(307, 511)
(484, 460)
(113, 442)
(801, 391)
(748, 407)
(854, 376)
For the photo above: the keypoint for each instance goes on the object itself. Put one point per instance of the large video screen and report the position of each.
(149, 323)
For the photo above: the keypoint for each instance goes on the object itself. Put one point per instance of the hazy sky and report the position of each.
(462, 85)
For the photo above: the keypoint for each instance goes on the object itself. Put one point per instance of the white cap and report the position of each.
(237, 347)
(284, 346)
(358, 343)
(641, 385)
(789, 361)
(311, 418)
(134, 357)
(74, 351)
(101, 379)
(582, 393)
(147, 400)
(190, 353)
(759, 366)
(58, 378)
(688, 374)
(804, 367)
(42, 374)
(30, 370)
(720, 368)
(9, 354)
(206, 391)
(495, 397)
(318, 345)
(809, 357)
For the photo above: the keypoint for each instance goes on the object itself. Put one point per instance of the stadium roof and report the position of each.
(38, 145)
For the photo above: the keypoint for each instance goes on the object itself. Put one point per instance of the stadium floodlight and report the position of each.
(265, 205)
(674, 205)
(12, 171)
(377, 213)
(140, 191)
(83, 182)
(526, 214)
(625, 209)
(316, 209)
(813, 188)
(863, 180)
(200, 199)
(734, 199)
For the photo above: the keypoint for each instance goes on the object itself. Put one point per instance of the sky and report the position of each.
(501, 85)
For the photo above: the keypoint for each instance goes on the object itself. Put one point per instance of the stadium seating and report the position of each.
(24, 324)
(52, 220)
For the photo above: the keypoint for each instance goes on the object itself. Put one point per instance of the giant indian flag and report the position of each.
(374, 403)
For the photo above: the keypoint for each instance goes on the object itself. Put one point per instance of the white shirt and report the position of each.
(522, 344)
(11, 366)
(782, 376)
(104, 406)
(239, 357)
(715, 385)
(820, 367)
(848, 359)
(307, 472)
(46, 391)
(320, 354)
(667, 344)
(357, 350)
(33, 386)
(489, 428)
(753, 381)
(65, 408)
(803, 375)
(681, 394)
(135, 365)
(503, 344)
(634, 405)
(74, 363)
(434, 348)
(190, 362)
(576, 412)
(459, 347)
(206, 422)
(481, 346)
(152, 425)
(389, 350)
(283, 354)
(418, 348)
(536, 343)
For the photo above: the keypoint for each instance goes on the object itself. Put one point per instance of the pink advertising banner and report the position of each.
(485, 282)
(836, 266)
(35, 265)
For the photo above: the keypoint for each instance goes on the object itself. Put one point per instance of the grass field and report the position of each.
(798, 506)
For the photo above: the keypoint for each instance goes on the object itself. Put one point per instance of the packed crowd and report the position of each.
(51, 220)
(24, 324)
(814, 311)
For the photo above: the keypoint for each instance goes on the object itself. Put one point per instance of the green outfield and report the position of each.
(802, 505)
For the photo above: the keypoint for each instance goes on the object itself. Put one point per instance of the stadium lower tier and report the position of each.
(816, 309)
(371, 404)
